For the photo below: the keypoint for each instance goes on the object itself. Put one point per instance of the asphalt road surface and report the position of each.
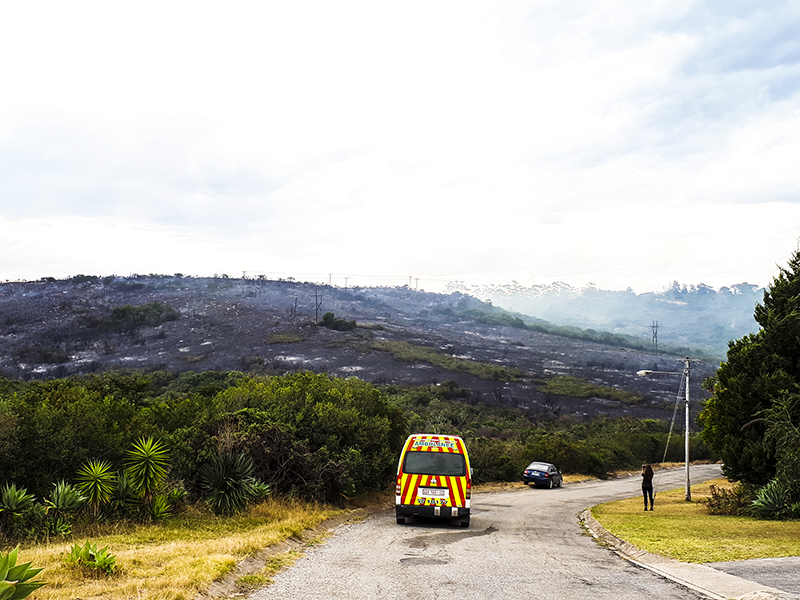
(522, 543)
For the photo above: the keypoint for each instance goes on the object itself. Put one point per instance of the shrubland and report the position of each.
(128, 472)
(304, 435)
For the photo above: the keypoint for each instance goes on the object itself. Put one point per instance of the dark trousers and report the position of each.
(647, 491)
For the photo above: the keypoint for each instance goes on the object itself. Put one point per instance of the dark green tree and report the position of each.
(743, 420)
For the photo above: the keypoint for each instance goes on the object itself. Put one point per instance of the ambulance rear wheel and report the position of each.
(464, 522)
(401, 520)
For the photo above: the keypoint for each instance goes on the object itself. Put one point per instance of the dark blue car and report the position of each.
(542, 474)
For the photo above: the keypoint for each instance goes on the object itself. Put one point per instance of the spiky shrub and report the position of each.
(146, 468)
(90, 558)
(14, 504)
(96, 482)
(176, 495)
(65, 498)
(161, 508)
(229, 483)
(123, 499)
(15, 580)
(771, 500)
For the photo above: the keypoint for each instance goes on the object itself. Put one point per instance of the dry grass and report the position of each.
(176, 560)
(687, 532)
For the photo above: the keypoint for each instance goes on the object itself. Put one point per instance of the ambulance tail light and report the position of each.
(468, 495)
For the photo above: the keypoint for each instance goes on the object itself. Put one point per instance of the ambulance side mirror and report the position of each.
(471, 471)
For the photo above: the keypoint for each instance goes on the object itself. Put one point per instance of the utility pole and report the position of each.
(317, 305)
(687, 367)
(687, 362)
(655, 336)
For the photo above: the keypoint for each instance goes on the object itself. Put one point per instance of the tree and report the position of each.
(755, 403)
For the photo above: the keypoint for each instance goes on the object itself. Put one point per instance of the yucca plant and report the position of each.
(146, 468)
(14, 503)
(15, 580)
(229, 483)
(96, 481)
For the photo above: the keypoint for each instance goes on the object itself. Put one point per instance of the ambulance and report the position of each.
(434, 478)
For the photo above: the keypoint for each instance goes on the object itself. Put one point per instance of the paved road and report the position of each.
(782, 573)
(523, 543)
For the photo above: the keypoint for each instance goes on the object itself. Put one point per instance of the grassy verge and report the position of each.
(685, 531)
(178, 559)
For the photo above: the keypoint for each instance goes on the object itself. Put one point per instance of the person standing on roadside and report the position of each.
(647, 485)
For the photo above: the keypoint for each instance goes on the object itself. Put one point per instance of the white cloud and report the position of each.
(620, 142)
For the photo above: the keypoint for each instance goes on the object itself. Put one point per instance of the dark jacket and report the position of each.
(647, 477)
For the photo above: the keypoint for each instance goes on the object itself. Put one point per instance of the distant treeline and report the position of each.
(695, 316)
(491, 315)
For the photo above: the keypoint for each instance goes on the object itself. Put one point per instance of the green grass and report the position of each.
(576, 387)
(412, 353)
(687, 532)
(289, 337)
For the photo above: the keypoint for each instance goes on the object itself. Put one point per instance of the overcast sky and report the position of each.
(619, 143)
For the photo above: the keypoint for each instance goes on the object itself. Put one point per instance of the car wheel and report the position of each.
(560, 481)
(551, 484)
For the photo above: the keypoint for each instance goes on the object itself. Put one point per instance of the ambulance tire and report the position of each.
(401, 520)
(464, 523)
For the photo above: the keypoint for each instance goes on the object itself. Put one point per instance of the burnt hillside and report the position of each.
(56, 328)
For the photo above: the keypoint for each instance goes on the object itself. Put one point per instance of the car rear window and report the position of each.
(435, 463)
(539, 466)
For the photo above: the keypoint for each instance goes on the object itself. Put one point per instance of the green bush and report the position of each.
(331, 322)
(734, 501)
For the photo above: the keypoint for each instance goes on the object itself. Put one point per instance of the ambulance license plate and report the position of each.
(433, 492)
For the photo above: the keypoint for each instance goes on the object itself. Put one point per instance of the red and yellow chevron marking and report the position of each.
(408, 484)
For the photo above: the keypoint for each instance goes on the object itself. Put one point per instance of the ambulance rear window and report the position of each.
(435, 463)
